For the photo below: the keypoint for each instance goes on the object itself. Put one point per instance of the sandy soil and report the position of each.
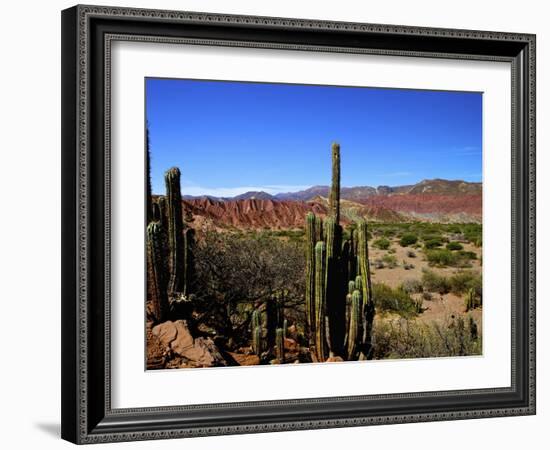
(442, 307)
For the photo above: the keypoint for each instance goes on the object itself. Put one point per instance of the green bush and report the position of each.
(394, 300)
(412, 286)
(390, 260)
(408, 239)
(473, 233)
(441, 257)
(382, 243)
(466, 254)
(432, 282)
(462, 282)
(397, 339)
(454, 246)
(433, 243)
(432, 236)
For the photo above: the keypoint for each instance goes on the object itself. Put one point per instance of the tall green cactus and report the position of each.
(354, 326)
(320, 301)
(311, 240)
(338, 280)
(257, 340)
(175, 230)
(156, 279)
(334, 197)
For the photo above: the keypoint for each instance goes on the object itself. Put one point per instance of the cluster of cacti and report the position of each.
(339, 304)
(169, 246)
(472, 300)
(275, 325)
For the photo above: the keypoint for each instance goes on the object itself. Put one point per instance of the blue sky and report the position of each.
(231, 137)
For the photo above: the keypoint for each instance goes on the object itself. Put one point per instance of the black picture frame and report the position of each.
(87, 416)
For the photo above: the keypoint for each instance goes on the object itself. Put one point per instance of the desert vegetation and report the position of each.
(331, 290)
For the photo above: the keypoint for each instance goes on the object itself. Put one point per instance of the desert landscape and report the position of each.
(323, 274)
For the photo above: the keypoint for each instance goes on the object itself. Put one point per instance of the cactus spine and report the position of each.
(156, 271)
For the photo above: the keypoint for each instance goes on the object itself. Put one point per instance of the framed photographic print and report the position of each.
(283, 224)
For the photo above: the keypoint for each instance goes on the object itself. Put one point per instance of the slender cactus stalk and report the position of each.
(354, 337)
(320, 301)
(175, 228)
(156, 280)
(334, 198)
(310, 275)
(255, 322)
(257, 340)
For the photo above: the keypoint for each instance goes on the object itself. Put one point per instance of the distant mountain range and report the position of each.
(360, 193)
(434, 200)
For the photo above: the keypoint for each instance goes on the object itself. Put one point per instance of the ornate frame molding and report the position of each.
(84, 422)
